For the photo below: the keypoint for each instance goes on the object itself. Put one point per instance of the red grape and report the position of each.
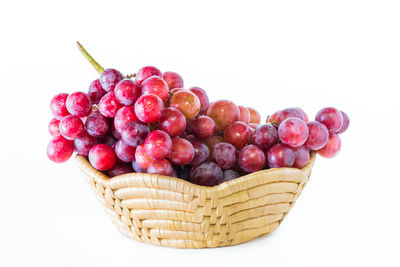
(119, 169)
(223, 112)
(182, 151)
(206, 174)
(54, 129)
(79, 104)
(109, 79)
(84, 143)
(203, 127)
(213, 140)
(183, 172)
(141, 157)
(134, 133)
(280, 155)
(332, 147)
(265, 136)
(273, 117)
(158, 144)
(254, 115)
(293, 132)
(171, 93)
(253, 125)
(230, 175)
(124, 152)
(202, 95)
(318, 135)
(331, 117)
(96, 92)
(60, 149)
(145, 73)
(156, 86)
(237, 134)
(124, 115)
(224, 154)
(172, 121)
(244, 114)
(97, 125)
(148, 108)
(109, 105)
(187, 102)
(201, 153)
(71, 127)
(114, 131)
(162, 167)
(127, 91)
(136, 167)
(301, 157)
(173, 79)
(58, 107)
(289, 113)
(346, 122)
(102, 157)
(304, 114)
(251, 159)
(108, 139)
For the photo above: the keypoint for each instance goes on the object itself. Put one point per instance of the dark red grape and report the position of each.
(280, 155)
(201, 153)
(158, 144)
(346, 122)
(109, 79)
(206, 174)
(54, 129)
(60, 149)
(124, 116)
(223, 112)
(96, 92)
(293, 132)
(108, 139)
(134, 133)
(97, 125)
(187, 102)
(182, 151)
(229, 175)
(141, 157)
(172, 121)
(127, 91)
(289, 113)
(265, 136)
(237, 134)
(173, 79)
(331, 117)
(224, 154)
(301, 157)
(71, 127)
(109, 105)
(102, 157)
(202, 95)
(244, 114)
(84, 143)
(183, 172)
(254, 115)
(318, 135)
(124, 152)
(251, 159)
(203, 127)
(156, 86)
(332, 147)
(145, 73)
(79, 104)
(148, 108)
(119, 169)
(162, 167)
(58, 107)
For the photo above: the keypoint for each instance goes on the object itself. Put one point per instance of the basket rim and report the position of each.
(83, 163)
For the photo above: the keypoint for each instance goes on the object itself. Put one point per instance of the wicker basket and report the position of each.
(171, 212)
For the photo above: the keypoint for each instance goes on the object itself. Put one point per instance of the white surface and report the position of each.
(269, 55)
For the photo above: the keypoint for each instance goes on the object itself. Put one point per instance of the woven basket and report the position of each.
(171, 212)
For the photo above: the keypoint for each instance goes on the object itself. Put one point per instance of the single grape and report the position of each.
(206, 174)
(145, 73)
(58, 107)
(109, 79)
(182, 151)
(156, 86)
(304, 114)
(187, 102)
(289, 113)
(124, 116)
(318, 135)
(237, 134)
(71, 127)
(273, 118)
(158, 144)
(331, 117)
(265, 136)
(136, 167)
(97, 125)
(332, 147)
(127, 91)
(251, 159)
(96, 92)
(134, 133)
(346, 122)
(79, 104)
(254, 115)
(109, 105)
(148, 108)
(223, 112)
(84, 143)
(141, 157)
(119, 169)
(224, 154)
(162, 167)
(301, 157)
(172, 121)
(54, 129)
(201, 153)
(60, 149)
(203, 97)
(293, 132)
(171, 93)
(124, 152)
(229, 175)
(173, 79)
(244, 114)
(203, 127)
(102, 157)
(213, 140)
(280, 155)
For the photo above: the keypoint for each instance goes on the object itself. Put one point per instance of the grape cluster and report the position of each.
(151, 124)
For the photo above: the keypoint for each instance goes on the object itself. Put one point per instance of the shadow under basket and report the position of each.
(172, 212)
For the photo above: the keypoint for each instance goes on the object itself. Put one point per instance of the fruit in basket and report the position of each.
(152, 124)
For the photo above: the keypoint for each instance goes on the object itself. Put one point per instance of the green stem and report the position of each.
(94, 63)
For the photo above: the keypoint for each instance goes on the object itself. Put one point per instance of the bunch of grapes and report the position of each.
(149, 123)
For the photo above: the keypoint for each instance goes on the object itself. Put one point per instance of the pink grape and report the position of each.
(238, 134)
(293, 132)
(301, 157)
(173, 79)
(201, 153)
(318, 135)
(58, 107)
(124, 152)
(289, 113)
(265, 136)
(203, 127)
(124, 116)
(273, 117)
(182, 151)
(84, 143)
(79, 104)
(158, 145)
(109, 105)
(331, 117)
(223, 112)
(251, 159)
(202, 95)
(187, 102)
(254, 115)
(148, 108)
(97, 125)
(244, 114)
(109, 79)
(172, 121)
(280, 155)
(54, 127)
(95, 91)
(304, 114)
(127, 91)
(332, 147)
(134, 133)
(102, 157)
(224, 154)
(162, 167)
(346, 122)
(141, 157)
(206, 174)
(145, 73)
(60, 149)
(71, 127)
(156, 86)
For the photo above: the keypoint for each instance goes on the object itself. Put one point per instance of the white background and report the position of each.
(265, 54)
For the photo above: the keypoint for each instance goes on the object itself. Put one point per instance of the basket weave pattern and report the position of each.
(171, 212)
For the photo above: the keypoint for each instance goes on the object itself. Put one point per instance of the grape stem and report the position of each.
(94, 63)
